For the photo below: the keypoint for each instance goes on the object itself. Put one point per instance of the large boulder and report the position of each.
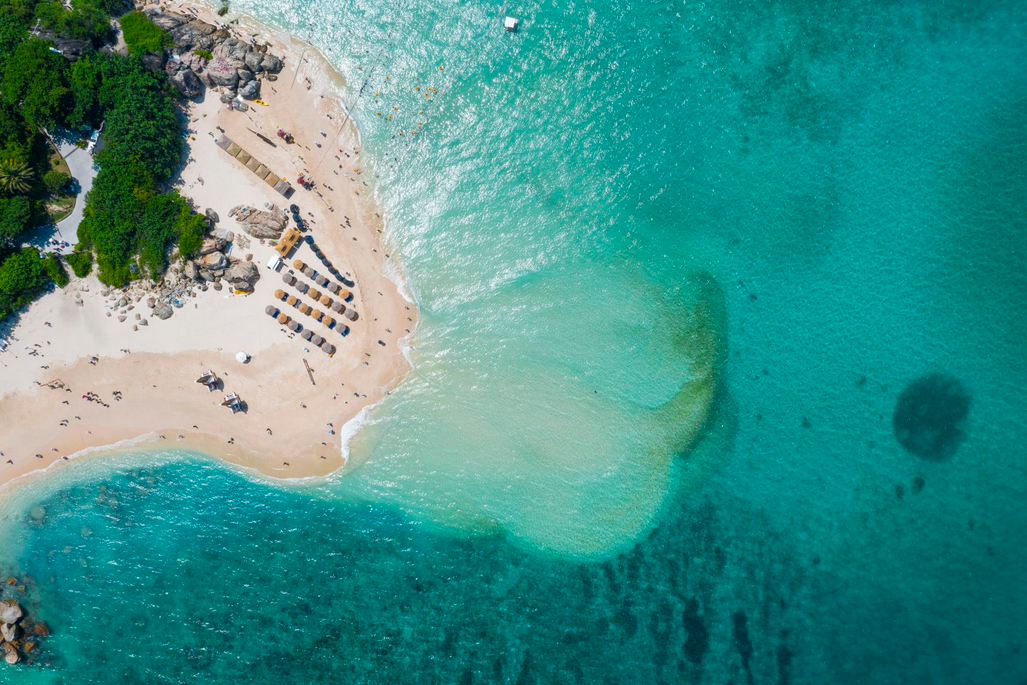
(212, 261)
(154, 61)
(9, 631)
(10, 611)
(224, 234)
(169, 21)
(163, 311)
(212, 216)
(187, 83)
(271, 64)
(212, 244)
(258, 223)
(250, 90)
(11, 655)
(191, 272)
(253, 62)
(242, 272)
(222, 73)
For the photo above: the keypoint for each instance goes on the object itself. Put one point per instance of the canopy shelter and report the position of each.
(327, 321)
(316, 314)
(306, 334)
(308, 272)
(288, 279)
(209, 379)
(253, 164)
(350, 314)
(325, 300)
(279, 294)
(317, 340)
(333, 288)
(287, 242)
(299, 265)
(321, 280)
(271, 310)
(283, 319)
(342, 329)
(294, 326)
(328, 348)
(344, 295)
(291, 300)
(302, 287)
(232, 402)
(338, 307)
(314, 294)
(242, 357)
(304, 307)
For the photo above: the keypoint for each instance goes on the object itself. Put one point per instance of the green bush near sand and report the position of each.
(81, 263)
(205, 54)
(23, 275)
(142, 35)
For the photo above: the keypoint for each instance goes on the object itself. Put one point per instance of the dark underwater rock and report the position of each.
(929, 416)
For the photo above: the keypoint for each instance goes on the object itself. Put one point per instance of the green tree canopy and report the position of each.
(34, 80)
(15, 218)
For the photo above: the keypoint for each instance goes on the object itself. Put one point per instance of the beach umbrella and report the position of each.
(283, 318)
(327, 321)
(338, 307)
(291, 300)
(316, 314)
(308, 272)
(333, 287)
(288, 278)
(342, 329)
(328, 348)
(306, 334)
(309, 239)
(271, 310)
(350, 314)
(298, 264)
(242, 357)
(325, 300)
(293, 326)
(345, 294)
(314, 294)
(317, 340)
(321, 280)
(279, 294)
(305, 308)
(302, 287)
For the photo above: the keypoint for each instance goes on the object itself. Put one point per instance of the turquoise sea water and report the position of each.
(834, 191)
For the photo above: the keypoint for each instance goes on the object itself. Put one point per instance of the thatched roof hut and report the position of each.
(307, 334)
(271, 310)
(338, 307)
(350, 314)
(283, 319)
(291, 300)
(317, 340)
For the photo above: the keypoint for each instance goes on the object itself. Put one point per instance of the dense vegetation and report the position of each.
(142, 35)
(131, 221)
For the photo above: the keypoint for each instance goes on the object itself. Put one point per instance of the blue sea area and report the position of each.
(678, 265)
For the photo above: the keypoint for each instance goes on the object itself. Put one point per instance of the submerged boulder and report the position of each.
(10, 611)
(929, 416)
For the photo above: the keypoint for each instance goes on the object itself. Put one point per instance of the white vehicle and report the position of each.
(274, 263)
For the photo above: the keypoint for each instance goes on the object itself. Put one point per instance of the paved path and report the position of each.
(80, 163)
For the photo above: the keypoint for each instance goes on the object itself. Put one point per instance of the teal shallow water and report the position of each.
(852, 177)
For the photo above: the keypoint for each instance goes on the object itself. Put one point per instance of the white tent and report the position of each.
(242, 357)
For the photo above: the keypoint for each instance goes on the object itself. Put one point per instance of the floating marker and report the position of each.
(510, 24)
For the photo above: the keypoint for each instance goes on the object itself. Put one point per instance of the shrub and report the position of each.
(81, 263)
(56, 182)
(54, 268)
(205, 54)
(142, 35)
(223, 10)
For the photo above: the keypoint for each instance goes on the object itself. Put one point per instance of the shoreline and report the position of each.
(176, 413)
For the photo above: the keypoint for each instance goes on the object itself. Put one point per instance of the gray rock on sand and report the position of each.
(226, 98)
(187, 83)
(222, 73)
(214, 260)
(143, 322)
(212, 216)
(10, 611)
(163, 311)
(249, 91)
(191, 272)
(242, 272)
(212, 244)
(258, 223)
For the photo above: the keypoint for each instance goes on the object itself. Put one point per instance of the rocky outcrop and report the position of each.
(242, 276)
(70, 48)
(10, 612)
(258, 223)
(236, 67)
(16, 639)
(212, 244)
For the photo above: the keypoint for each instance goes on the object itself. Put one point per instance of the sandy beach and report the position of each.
(112, 380)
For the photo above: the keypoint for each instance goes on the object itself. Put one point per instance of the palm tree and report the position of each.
(15, 177)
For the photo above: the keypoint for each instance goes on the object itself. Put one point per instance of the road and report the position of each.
(80, 163)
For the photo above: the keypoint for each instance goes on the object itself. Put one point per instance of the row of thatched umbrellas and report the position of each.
(315, 314)
(304, 333)
(318, 296)
(320, 255)
(320, 280)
